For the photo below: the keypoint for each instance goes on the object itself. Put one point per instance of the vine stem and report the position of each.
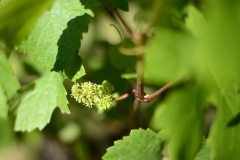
(125, 95)
(146, 98)
(149, 98)
(139, 92)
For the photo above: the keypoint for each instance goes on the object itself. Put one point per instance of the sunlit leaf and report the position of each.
(140, 144)
(47, 43)
(37, 106)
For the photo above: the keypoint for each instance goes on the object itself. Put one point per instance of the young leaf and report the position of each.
(47, 38)
(17, 18)
(140, 144)
(181, 116)
(8, 81)
(224, 136)
(36, 107)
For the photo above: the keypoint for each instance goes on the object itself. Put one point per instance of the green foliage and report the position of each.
(92, 94)
(225, 129)
(204, 153)
(8, 85)
(184, 139)
(3, 102)
(8, 82)
(68, 61)
(36, 107)
(18, 18)
(195, 47)
(6, 134)
(135, 147)
(115, 4)
(48, 37)
(90, 3)
(167, 51)
(121, 61)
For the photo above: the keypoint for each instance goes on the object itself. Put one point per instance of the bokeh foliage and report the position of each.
(193, 43)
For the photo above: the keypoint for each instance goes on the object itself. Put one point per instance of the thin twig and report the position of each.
(151, 97)
(125, 95)
(128, 29)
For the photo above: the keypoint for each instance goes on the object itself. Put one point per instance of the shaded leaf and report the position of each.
(140, 144)
(121, 61)
(90, 3)
(68, 62)
(181, 116)
(42, 45)
(37, 106)
(115, 4)
(18, 18)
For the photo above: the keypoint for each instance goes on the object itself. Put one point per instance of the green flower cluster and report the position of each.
(91, 94)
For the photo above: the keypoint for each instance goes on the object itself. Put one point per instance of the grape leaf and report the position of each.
(195, 22)
(224, 136)
(68, 61)
(140, 144)
(18, 18)
(204, 153)
(90, 3)
(3, 104)
(43, 43)
(8, 81)
(181, 116)
(114, 4)
(217, 52)
(167, 56)
(37, 106)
